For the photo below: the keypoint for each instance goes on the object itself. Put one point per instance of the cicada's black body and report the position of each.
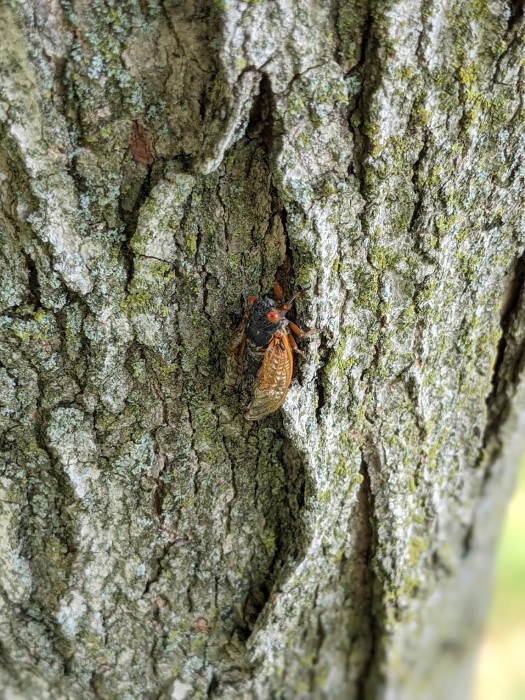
(259, 332)
(259, 329)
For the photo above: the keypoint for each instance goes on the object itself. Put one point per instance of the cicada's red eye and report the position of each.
(251, 300)
(273, 316)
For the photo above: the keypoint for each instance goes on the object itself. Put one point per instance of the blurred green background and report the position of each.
(501, 665)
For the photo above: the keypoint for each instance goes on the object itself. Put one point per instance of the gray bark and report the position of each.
(159, 161)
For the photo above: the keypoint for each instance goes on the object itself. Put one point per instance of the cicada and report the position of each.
(263, 345)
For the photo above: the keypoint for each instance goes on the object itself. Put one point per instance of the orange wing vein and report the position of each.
(273, 378)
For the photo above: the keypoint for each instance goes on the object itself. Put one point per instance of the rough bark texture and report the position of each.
(159, 161)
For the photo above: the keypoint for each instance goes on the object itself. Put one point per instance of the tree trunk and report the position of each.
(160, 161)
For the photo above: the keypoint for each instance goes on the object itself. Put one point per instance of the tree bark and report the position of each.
(160, 161)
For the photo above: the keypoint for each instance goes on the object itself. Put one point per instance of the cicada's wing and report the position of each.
(235, 359)
(273, 378)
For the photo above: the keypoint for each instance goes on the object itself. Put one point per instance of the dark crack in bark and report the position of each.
(517, 10)
(508, 365)
(285, 521)
(370, 594)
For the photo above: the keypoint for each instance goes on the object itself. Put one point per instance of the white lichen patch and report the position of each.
(17, 581)
(72, 439)
(71, 612)
(110, 333)
(160, 216)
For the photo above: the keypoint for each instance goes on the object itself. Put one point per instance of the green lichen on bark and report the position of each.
(158, 163)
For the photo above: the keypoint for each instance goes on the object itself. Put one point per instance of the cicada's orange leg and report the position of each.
(278, 293)
(288, 305)
(295, 329)
(293, 344)
(300, 333)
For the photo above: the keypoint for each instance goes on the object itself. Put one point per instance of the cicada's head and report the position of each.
(265, 318)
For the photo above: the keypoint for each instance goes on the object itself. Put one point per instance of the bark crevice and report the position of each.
(508, 365)
(367, 680)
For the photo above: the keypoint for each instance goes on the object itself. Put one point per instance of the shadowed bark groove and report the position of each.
(372, 595)
(508, 364)
(158, 164)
